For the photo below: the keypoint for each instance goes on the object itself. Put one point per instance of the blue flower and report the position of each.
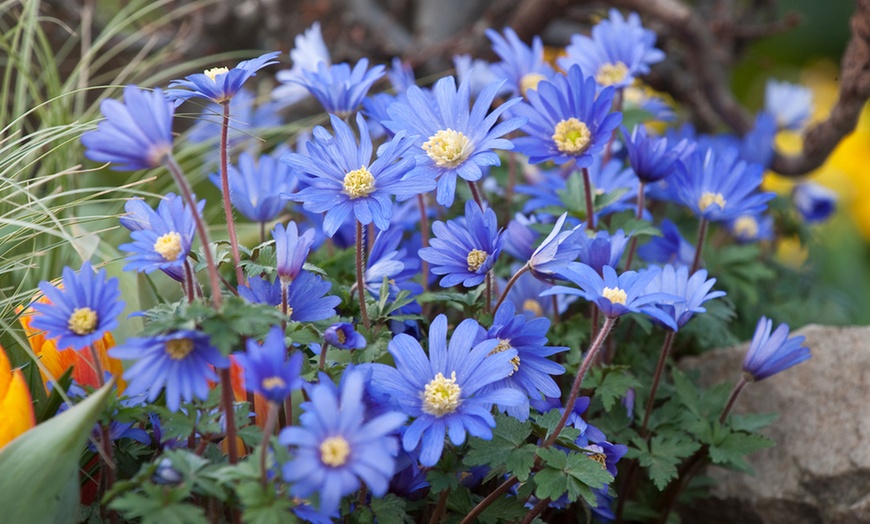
(478, 74)
(606, 453)
(343, 179)
(558, 249)
(790, 104)
(465, 252)
(769, 354)
(335, 447)
(267, 370)
(82, 310)
(670, 248)
(245, 121)
(719, 186)
(532, 369)
(689, 292)
(444, 391)
(616, 295)
(180, 361)
(450, 140)
(566, 120)
(618, 50)
(305, 296)
(309, 50)
(401, 75)
(526, 297)
(752, 228)
(386, 260)
(342, 335)
(218, 84)
(291, 249)
(651, 157)
(255, 187)
(136, 134)
(602, 249)
(161, 239)
(523, 66)
(814, 202)
(338, 88)
(757, 144)
(521, 238)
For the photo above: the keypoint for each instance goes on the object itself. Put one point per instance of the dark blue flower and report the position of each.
(256, 186)
(136, 134)
(82, 310)
(339, 88)
(756, 146)
(523, 66)
(342, 335)
(452, 140)
(335, 447)
(181, 362)
(343, 180)
(267, 370)
(769, 354)
(814, 202)
(218, 84)
(670, 248)
(601, 249)
(689, 292)
(521, 238)
(465, 252)
(652, 158)
(306, 296)
(444, 390)
(567, 121)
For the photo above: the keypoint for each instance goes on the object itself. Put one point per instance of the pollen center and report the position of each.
(359, 183)
(441, 396)
(504, 345)
(169, 246)
(340, 336)
(600, 458)
(708, 199)
(475, 259)
(179, 348)
(334, 451)
(610, 74)
(273, 383)
(530, 81)
(214, 72)
(615, 295)
(83, 321)
(746, 227)
(530, 304)
(447, 148)
(572, 136)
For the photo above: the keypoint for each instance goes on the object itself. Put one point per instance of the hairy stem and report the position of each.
(492, 497)
(590, 207)
(510, 284)
(702, 235)
(360, 272)
(660, 367)
(639, 215)
(424, 232)
(225, 190)
(271, 418)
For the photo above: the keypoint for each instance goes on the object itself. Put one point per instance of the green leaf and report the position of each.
(263, 506)
(665, 452)
(730, 450)
(573, 473)
(507, 450)
(610, 383)
(389, 510)
(39, 469)
(156, 505)
(752, 421)
(441, 481)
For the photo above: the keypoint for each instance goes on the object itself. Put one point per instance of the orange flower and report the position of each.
(15, 403)
(237, 378)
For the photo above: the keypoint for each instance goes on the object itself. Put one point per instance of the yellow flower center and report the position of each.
(534, 306)
(83, 321)
(340, 336)
(708, 199)
(530, 81)
(504, 345)
(448, 148)
(610, 74)
(359, 183)
(169, 246)
(441, 396)
(746, 227)
(179, 348)
(272, 383)
(615, 295)
(475, 259)
(334, 451)
(214, 72)
(572, 136)
(600, 458)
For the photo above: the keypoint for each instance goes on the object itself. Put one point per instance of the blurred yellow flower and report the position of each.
(16, 406)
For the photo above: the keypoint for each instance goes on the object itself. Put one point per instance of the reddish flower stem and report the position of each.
(360, 271)
(510, 284)
(590, 207)
(225, 190)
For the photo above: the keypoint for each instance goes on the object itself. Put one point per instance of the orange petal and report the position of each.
(15, 403)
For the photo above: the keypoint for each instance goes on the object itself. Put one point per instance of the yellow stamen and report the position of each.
(83, 321)
(534, 306)
(359, 183)
(610, 74)
(339, 334)
(572, 136)
(441, 396)
(600, 458)
(214, 72)
(530, 81)
(179, 348)
(746, 227)
(708, 199)
(273, 382)
(169, 246)
(334, 451)
(504, 345)
(475, 259)
(615, 295)
(448, 148)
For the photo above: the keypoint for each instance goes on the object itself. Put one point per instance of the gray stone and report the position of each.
(819, 470)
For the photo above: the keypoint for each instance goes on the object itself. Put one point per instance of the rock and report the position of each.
(819, 470)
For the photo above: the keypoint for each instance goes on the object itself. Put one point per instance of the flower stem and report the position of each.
(323, 355)
(229, 414)
(439, 507)
(590, 207)
(735, 393)
(617, 107)
(660, 367)
(107, 454)
(360, 271)
(510, 284)
(633, 244)
(488, 299)
(575, 388)
(225, 190)
(503, 488)
(536, 510)
(271, 418)
(424, 232)
(702, 235)
(187, 285)
(475, 193)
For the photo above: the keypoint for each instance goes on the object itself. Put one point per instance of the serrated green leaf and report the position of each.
(263, 506)
(730, 450)
(552, 483)
(389, 510)
(663, 456)
(611, 383)
(441, 481)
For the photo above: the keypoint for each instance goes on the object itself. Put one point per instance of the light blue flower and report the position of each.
(522, 65)
(309, 50)
(790, 104)
(338, 88)
(267, 369)
(218, 84)
(256, 186)
(690, 292)
(291, 249)
(769, 354)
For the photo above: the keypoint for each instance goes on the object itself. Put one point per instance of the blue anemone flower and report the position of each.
(670, 248)
(452, 140)
(338, 88)
(308, 51)
(756, 146)
(769, 354)
(218, 84)
(343, 179)
(814, 202)
(790, 104)
(342, 335)
(521, 238)
(445, 391)
(181, 362)
(566, 120)
(306, 296)
(336, 447)
(691, 292)
(602, 249)
(619, 50)
(652, 158)
(247, 118)
(751, 228)
(256, 186)
(267, 370)
(532, 369)
(291, 249)
(557, 250)
(465, 252)
(523, 66)
(136, 134)
(82, 310)
(526, 297)
(161, 239)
